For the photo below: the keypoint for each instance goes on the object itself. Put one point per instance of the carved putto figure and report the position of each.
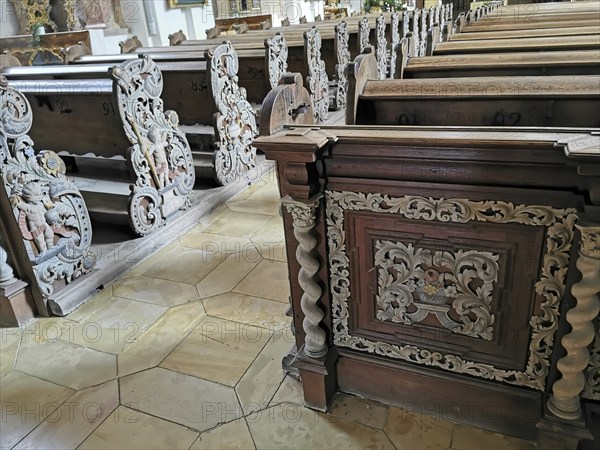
(47, 207)
(35, 214)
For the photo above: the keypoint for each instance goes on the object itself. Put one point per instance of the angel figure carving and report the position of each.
(155, 150)
(32, 216)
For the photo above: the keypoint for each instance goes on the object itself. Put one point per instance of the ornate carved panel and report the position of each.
(317, 81)
(47, 207)
(395, 24)
(160, 156)
(416, 32)
(363, 34)
(382, 50)
(415, 282)
(479, 272)
(422, 49)
(236, 121)
(405, 24)
(342, 51)
(277, 52)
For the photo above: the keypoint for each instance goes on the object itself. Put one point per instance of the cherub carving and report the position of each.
(33, 216)
(155, 150)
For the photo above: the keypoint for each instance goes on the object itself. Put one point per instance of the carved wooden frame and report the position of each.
(342, 51)
(317, 81)
(559, 224)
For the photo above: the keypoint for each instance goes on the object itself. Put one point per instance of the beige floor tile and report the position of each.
(267, 193)
(269, 280)
(77, 417)
(119, 322)
(249, 310)
(219, 245)
(47, 329)
(262, 379)
(270, 208)
(66, 364)
(26, 401)
(134, 430)
(232, 435)
(290, 426)
(9, 346)
(238, 224)
(153, 259)
(367, 412)
(186, 400)
(227, 275)
(471, 438)
(160, 339)
(409, 430)
(184, 265)
(153, 290)
(290, 391)
(270, 240)
(218, 350)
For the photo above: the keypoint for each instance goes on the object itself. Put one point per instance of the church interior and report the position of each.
(252, 224)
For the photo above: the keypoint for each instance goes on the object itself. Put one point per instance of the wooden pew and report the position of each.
(381, 222)
(45, 231)
(557, 22)
(583, 42)
(541, 101)
(128, 157)
(198, 85)
(575, 31)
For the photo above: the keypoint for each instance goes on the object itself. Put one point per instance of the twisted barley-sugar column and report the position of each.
(304, 218)
(565, 401)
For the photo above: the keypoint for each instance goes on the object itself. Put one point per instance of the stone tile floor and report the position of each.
(184, 352)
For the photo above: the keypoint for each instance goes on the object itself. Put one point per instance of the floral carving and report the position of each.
(395, 24)
(47, 207)
(317, 80)
(160, 156)
(277, 52)
(363, 34)
(415, 282)
(559, 224)
(382, 53)
(342, 36)
(235, 124)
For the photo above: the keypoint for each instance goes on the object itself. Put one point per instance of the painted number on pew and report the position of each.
(109, 109)
(508, 119)
(198, 86)
(63, 107)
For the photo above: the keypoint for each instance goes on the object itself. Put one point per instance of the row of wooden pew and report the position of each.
(442, 245)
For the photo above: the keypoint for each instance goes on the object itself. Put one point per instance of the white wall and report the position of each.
(9, 26)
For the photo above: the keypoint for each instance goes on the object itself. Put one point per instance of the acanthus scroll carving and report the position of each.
(363, 34)
(317, 80)
(235, 124)
(160, 156)
(382, 53)
(395, 24)
(559, 224)
(304, 219)
(415, 282)
(342, 37)
(277, 58)
(47, 207)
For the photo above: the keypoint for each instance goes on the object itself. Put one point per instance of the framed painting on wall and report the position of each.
(185, 3)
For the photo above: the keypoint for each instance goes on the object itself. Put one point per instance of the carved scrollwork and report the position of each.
(416, 32)
(382, 53)
(559, 224)
(235, 124)
(363, 34)
(393, 56)
(416, 282)
(277, 52)
(342, 50)
(422, 49)
(47, 207)
(405, 24)
(160, 156)
(317, 80)
(32, 13)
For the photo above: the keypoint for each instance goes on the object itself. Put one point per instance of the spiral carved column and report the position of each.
(304, 219)
(565, 402)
